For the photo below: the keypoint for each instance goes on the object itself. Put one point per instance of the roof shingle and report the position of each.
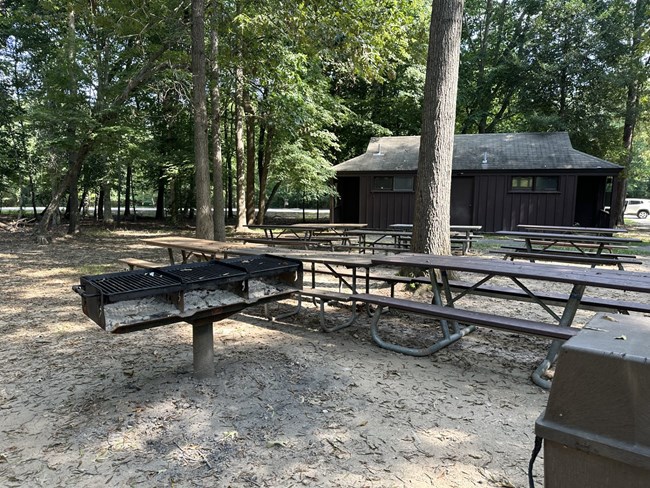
(518, 151)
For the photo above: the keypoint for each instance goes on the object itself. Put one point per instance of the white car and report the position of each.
(638, 207)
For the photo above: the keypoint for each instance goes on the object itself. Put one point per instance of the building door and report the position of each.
(346, 210)
(462, 200)
(588, 192)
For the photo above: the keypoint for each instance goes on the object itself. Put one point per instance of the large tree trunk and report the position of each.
(433, 184)
(217, 162)
(204, 222)
(239, 151)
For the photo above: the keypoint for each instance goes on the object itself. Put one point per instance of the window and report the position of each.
(535, 183)
(392, 183)
(522, 183)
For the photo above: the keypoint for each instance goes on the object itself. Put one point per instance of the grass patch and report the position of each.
(94, 269)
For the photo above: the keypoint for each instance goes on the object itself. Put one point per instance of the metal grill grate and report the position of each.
(124, 283)
(256, 265)
(200, 272)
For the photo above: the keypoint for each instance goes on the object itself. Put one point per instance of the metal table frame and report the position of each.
(578, 278)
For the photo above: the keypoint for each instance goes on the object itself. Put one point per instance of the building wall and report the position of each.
(498, 208)
(380, 209)
(495, 206)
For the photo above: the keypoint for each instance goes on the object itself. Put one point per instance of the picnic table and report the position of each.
(559, 229)
(307, 232)
(380, 240)
(351, 271)
(462, 236)
(569, 247)
(207, 249)
(483, 270)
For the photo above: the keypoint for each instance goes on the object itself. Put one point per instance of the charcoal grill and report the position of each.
(197, 293)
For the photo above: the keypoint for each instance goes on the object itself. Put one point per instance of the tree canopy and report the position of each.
(96, 98)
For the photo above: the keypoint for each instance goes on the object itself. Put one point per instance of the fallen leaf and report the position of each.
(271, 444)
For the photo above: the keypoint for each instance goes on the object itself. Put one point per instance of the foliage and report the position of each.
(112, 78)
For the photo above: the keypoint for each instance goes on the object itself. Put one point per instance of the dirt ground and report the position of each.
(289, 405)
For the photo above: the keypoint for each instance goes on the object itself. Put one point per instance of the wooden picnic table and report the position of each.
(373, 239)
(588, 248)
(559, 229)
(461, 235)
(306, 231)
(207, 249)
(483, 270)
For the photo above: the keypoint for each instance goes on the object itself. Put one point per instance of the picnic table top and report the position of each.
(572, 229)
(212, 247)
(378, 232)
(547, 236)
(613, 279)
(458, 228)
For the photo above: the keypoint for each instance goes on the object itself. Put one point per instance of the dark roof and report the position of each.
(522, 151)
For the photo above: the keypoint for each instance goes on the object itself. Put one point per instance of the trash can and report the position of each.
(596, 426)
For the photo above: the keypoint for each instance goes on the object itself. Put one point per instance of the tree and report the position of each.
(217, 161)
(433, 187)
(204, 222)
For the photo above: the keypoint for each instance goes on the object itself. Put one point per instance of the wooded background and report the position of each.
(96, 97)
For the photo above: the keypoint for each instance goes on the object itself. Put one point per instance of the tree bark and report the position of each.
(127, 190)
(204, 222)
(264, 176)
(217, 161)
(108, 209)
(431, 232)
(239, 149)
(250, 158)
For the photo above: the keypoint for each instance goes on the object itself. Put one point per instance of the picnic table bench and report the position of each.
(574, 229)
(313, 243)
(575, 248)
(486, 269)
(574, 257)
(456, 316)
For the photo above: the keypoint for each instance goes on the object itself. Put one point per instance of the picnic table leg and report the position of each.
(437, 300)
(203, 348)
(171, 255)
(565, 321)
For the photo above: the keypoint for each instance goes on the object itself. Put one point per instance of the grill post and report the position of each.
(203, 348)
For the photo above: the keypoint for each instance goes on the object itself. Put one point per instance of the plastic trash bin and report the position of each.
(596, 426)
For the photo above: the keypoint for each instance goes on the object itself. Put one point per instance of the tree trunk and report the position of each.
(108, 209)
(73, 223)
(127, 190)
(204, 222)
(239, 151)
(264, 176)
(217, 162)
(433, 184)
(160, 198)
(250, 158)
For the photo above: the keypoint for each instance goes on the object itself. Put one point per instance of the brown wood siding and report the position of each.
(497, 208)
(380, 209)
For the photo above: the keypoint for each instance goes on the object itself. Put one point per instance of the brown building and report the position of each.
(498, 181)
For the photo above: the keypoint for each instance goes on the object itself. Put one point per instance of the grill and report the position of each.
(139, 299)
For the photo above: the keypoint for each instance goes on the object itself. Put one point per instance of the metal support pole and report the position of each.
(203, 349)
(565, 321)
